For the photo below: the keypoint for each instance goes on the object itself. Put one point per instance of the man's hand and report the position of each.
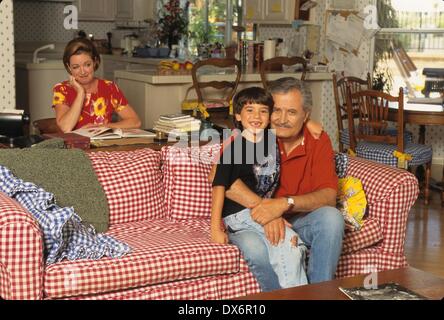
(268, 210)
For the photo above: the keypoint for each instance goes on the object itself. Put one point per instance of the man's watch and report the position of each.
(290, 202)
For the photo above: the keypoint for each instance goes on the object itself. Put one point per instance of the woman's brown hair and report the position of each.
(78, 46)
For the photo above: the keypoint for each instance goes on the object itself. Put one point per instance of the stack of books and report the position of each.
(175, 124)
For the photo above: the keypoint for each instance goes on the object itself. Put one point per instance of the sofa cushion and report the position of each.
(132, 182)
(367, 236)
(163, 251)
(187, 190)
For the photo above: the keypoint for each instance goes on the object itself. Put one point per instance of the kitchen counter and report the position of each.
(138, 60)
(44, 65)
(152, 95)
(34, 83)
(152, 77)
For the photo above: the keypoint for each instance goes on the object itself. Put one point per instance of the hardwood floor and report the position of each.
(424, 245)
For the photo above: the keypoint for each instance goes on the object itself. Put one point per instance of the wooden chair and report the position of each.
(370, 140)
(277, 62)
(48, 125)
(227, 89)
(340, 94)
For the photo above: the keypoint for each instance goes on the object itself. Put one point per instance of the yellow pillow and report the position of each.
(352, 201)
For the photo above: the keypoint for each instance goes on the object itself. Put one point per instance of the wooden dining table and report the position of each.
(422, 118)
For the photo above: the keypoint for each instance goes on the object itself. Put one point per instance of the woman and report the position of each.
(85, 100)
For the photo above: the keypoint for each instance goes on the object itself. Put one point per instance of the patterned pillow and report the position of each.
(341, 161)
(187, 189)
(132, 182)
(352, 202)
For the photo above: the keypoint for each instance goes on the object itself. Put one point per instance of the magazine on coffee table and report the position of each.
(386, 291)
(101, 133)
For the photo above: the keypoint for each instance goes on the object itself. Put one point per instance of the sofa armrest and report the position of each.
(21, 253)
(390, 193)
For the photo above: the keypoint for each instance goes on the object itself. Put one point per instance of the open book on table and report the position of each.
(101, 133)
(386, 291)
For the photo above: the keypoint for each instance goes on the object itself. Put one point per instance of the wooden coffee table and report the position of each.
(416, 280)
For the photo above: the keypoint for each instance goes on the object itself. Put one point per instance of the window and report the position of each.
(411, 39)
(208, 21)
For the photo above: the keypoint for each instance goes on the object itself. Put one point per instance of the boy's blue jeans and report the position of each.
(321, 230)
(287, 258)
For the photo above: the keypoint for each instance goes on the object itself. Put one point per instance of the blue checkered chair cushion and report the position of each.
(383, 153)
(344, 136)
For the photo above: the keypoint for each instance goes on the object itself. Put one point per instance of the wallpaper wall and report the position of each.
(43, 21)
(7, 70)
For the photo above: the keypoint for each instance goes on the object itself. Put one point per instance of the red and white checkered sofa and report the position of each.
(159, 204)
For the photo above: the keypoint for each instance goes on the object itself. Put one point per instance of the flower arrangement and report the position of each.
(173, 21)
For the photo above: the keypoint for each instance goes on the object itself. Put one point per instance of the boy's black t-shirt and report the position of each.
(256, 164)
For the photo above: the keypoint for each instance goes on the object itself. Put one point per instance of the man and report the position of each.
(306, 195)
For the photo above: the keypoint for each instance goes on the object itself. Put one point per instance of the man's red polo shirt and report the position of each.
(308, 168)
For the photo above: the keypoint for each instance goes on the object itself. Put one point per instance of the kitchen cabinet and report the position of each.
(279, 10)
(253, 10)
(135, 10)
(96, 10)
(273, 11)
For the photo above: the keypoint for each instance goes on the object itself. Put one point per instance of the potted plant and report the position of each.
(200, 35)
(172, 24)
(382, 76)
(382, 80)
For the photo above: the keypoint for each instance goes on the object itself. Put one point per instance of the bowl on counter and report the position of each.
(164, 52)
(152, 52)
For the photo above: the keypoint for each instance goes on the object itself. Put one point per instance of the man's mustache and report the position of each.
(282, 125)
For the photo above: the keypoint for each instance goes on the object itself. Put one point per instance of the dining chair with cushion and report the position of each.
(369, 139)
(226, 89)
(276, 63)
(340, 95)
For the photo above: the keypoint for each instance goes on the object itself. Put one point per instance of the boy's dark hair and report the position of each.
(252, 95)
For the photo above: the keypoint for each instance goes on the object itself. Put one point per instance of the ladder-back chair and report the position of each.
(227, 88)
(369, 139)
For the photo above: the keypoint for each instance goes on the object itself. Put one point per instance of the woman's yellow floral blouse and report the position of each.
(97, 107)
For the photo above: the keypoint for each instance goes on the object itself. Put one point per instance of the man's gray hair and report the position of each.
(287, 84)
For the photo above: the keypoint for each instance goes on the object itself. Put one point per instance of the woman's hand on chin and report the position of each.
(77, 86)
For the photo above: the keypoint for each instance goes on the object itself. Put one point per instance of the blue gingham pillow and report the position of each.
(341, 160)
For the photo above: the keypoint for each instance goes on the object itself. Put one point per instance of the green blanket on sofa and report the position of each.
(67, 173)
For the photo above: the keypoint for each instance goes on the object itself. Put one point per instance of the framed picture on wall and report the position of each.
(343, 4)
